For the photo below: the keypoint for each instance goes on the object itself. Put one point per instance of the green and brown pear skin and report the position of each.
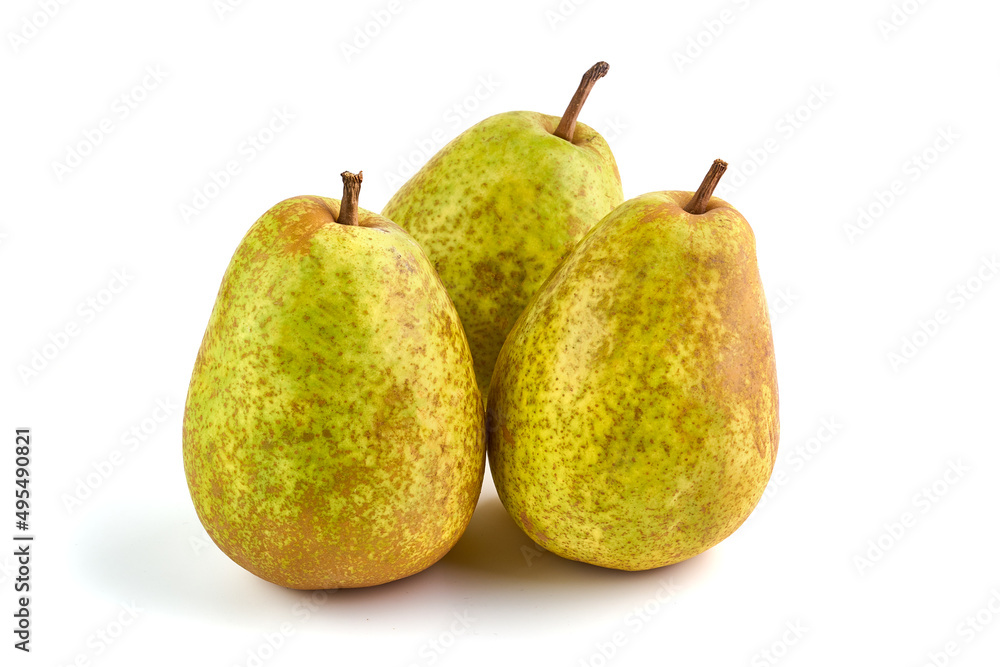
(632, 420)
(333, 432)
(499, 207)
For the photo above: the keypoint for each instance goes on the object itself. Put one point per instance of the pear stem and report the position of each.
(699, 203)
(349, 203)
(567, 124)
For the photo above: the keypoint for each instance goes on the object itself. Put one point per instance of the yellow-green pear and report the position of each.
(333, 431)
(499, 207)
(632, 419)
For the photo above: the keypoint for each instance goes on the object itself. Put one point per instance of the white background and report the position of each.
(866, 546)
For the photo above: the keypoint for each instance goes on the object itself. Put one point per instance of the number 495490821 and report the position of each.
(22, 451)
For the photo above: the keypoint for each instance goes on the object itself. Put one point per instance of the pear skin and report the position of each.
(632, 419)
(499, 207)
(333, 430)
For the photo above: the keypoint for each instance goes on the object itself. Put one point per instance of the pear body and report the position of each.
(333, 430)
(632, 420)
(498, 208)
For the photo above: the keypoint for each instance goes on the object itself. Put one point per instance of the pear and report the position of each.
(632, 420)
(333, 432)
(500, 206)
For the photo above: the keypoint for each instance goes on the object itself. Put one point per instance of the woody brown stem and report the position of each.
(567, 124)
(699, 203)
(349, 203)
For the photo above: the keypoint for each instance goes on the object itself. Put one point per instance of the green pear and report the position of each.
(500, 206)
(632, 420)
(333, 433)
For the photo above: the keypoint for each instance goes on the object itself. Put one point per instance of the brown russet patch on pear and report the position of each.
(533, 531)
(576, 228)
(744, 318)
(324, 205)
(309, 214)
(321, 567)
